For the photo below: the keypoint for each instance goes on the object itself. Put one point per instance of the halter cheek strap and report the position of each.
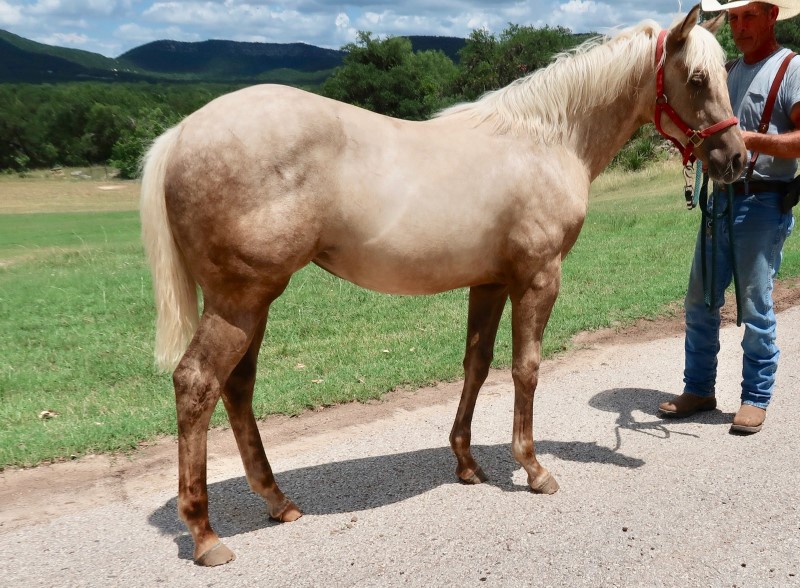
(694, 138)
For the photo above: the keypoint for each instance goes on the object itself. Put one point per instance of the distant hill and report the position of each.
(229, 58)
(450, 46)
(22, 60)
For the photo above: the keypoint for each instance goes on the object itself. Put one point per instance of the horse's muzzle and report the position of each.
(726, 161)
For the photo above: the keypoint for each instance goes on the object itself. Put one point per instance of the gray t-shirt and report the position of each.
(749, 87)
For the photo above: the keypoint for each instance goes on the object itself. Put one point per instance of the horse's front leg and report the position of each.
(531, 305)
(485, 309)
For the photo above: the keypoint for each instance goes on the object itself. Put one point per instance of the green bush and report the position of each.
(645, 147)
(126, 155)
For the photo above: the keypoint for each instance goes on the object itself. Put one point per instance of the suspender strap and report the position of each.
(763, 126)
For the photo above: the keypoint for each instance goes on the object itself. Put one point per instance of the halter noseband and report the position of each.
(695, 138)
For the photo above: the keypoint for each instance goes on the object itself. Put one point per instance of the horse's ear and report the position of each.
(714, 24)
(680, 32)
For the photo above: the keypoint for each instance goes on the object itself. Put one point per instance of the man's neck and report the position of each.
(761, 53)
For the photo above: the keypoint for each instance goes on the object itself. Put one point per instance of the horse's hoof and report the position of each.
(475, 476)
(544, 484)
(216, 556)
(287, 512)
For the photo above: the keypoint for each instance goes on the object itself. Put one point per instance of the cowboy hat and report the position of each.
(787, 8)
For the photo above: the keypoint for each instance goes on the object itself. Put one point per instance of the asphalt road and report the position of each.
(643, 501)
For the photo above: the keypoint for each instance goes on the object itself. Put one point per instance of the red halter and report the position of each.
(695, 138)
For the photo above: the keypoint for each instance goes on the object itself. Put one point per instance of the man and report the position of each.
(759, 228)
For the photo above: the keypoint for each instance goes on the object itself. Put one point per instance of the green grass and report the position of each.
(26, 235)
(77, 316)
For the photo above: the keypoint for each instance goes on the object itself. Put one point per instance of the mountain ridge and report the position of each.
(25, 61)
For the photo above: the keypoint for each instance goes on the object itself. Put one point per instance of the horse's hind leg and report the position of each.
(238, 399)
(485, 309)
(530, 310)
(222, 338)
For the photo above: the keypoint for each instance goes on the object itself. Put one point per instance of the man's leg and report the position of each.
(760, 230)
(702, 330)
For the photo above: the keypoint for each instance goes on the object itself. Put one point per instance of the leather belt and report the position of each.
(756, 186)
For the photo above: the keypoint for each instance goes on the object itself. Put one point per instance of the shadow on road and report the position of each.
(367, 483)
(626, 401)
(372, 482)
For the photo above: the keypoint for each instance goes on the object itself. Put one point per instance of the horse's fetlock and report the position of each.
(459, 442)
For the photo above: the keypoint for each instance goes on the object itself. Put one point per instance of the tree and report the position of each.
(489, 63)
(479, 71)
(386, 76)
(788, 33)
(103, 128)
(725, 38)
(126, 155)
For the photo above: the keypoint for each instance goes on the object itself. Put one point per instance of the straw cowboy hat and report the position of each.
(787, 8)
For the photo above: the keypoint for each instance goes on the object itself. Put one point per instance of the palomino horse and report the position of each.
(489, 195)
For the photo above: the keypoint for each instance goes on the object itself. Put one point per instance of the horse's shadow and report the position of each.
(371, 482)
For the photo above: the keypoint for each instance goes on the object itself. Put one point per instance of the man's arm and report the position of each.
(785, 145)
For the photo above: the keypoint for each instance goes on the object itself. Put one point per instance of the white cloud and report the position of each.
(9, 15)
(65, 39)
(578, 7)
(132, 34)
(78, 7)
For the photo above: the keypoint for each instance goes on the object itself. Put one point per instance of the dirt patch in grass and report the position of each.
(66, 194)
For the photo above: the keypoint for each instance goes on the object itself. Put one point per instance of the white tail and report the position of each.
(174, 288)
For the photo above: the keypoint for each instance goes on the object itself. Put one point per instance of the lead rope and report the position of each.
(691, 187)
(709, 227)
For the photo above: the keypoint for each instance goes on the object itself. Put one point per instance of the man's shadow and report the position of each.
(626, 401)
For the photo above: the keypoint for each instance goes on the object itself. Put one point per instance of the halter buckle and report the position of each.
(696, 138)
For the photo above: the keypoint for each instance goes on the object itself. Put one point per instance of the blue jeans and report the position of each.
(759, 231)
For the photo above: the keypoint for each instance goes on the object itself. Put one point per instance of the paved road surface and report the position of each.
(643, 501)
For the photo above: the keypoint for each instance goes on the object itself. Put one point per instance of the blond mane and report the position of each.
(544, 103)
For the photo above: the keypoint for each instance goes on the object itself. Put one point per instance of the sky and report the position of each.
(111, 27)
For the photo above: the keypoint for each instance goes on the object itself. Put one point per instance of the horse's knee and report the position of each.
(478, 362)
(525, 376)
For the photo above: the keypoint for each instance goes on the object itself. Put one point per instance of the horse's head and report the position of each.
(693, 107)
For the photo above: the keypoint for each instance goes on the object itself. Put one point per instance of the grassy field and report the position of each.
(77, 313)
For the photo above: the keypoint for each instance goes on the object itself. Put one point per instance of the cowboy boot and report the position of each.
(686, 405)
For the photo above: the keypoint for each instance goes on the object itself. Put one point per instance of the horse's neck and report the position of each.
(600, 132)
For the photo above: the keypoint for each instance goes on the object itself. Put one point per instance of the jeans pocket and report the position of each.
(765, 199)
